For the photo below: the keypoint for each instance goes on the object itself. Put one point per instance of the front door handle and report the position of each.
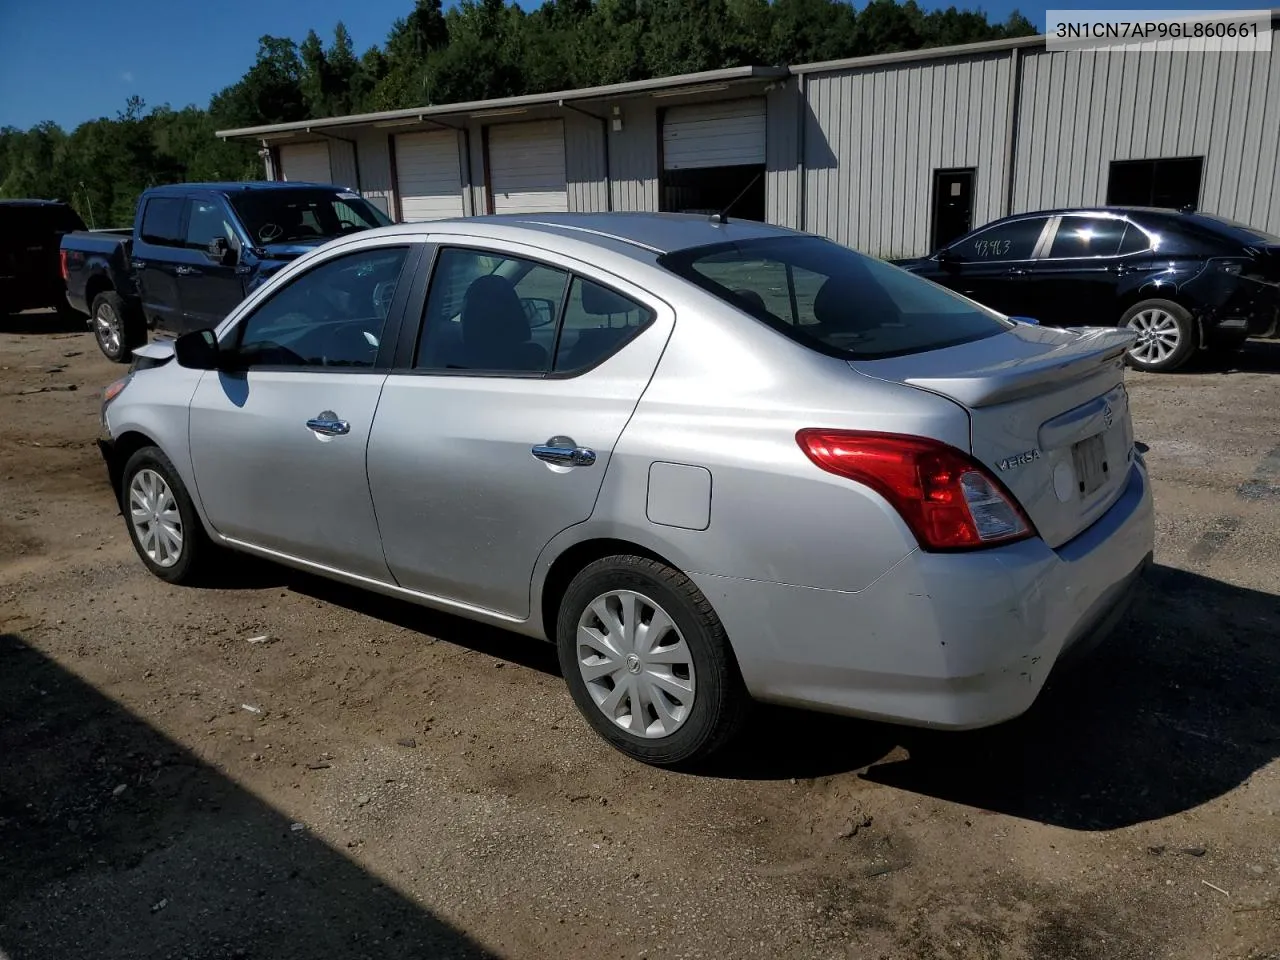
(328, 425)
(185, 271)
(563, 452)
(1017, 272)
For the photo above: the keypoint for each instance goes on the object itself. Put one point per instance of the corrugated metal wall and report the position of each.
(633, 157)
(874, 136)
(1081, 110)
(584, 163)
(375, 170)
(782, 155)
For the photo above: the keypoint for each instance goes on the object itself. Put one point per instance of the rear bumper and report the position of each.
(941, 640)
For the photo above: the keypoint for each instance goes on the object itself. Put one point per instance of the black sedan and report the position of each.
(1182, 281)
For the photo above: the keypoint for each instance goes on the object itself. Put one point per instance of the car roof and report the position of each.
(33, 203)
(655, 232)
(1120, 209)
(241, 185)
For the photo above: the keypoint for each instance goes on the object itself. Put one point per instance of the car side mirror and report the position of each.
(220, 251)
(197, 350)
(948, 257)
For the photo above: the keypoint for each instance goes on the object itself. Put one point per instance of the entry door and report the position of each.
(157, 254)
(278, 444)
(952, 205)
(457, 459)
(1076, 280)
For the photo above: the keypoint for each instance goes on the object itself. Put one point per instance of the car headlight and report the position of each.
(112, 390)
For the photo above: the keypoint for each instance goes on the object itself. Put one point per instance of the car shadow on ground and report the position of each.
(1181, 705)
(117, 842)
(1178, 707)
(43, 321)
(1256, 356)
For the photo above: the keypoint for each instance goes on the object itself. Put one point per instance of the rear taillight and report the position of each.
(62, 262)
(948, 499)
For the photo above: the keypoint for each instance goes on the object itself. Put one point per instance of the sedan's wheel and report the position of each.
(162, 520)
(648, 662)
(157, 523)
(1166, 335)
(636, 664)
(116, 328)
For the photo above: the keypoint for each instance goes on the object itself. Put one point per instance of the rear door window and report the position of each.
(833, 299)
(1079, 237)
(162, 221)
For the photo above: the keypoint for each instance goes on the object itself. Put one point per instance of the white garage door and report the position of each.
(725, 134)
(526, 167)
(307, 162)
(428, 175)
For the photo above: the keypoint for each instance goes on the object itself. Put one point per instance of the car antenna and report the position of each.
(723, 215)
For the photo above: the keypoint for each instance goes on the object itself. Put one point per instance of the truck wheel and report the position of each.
(115, 327)
(1166, 335)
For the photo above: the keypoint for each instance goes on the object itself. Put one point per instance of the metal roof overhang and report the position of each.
(686, 84)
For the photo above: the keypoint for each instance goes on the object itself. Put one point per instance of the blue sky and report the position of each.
(74, 60)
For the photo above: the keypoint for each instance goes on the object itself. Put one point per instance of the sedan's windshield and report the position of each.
(281, 216)
(834, 299)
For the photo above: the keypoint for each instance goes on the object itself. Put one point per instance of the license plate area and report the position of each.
(1089, 457)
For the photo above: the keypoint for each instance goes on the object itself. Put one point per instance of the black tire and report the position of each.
(720, 699)
(196, 549)
(109, 312)
(1177, 329)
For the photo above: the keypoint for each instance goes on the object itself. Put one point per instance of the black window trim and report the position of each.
(1002, 222)
(391, 327)
(1047, 242)
(404, 365)
(680, 263)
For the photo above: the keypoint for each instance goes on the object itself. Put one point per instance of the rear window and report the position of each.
(834, 299)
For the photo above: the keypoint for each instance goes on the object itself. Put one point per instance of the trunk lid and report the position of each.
(1048, 414)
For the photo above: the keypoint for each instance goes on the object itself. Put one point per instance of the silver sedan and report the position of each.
(713, 462)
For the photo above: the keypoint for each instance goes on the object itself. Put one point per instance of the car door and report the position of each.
(991, 265)
(209, 288)
(278, 437)
(1076, 278)
(496, 428)
(156, 257)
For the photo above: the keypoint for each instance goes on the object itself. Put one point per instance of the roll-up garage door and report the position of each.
(729, 133)
(306, 162)
(526, 167)
(428, 175)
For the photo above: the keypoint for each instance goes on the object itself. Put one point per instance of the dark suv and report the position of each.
(30, 234)
(1182, 281)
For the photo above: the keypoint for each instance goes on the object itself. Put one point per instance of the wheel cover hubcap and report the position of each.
(107, 326)
(1158, 336)
(153, 512)
(636, 664)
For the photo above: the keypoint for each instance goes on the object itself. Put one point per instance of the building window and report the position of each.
(1171, 182)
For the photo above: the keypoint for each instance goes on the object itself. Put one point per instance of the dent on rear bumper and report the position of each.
(946, 640)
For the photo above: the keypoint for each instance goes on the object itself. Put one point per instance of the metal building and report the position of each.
(892, 154)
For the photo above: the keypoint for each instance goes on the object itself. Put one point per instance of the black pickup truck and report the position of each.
(195, 251)
(30, 234)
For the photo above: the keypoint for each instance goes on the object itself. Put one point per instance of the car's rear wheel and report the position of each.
(163, 523)
(115, 327)
(1166, 335)
(648, 662)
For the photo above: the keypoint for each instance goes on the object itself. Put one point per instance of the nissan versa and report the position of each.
(711, 461)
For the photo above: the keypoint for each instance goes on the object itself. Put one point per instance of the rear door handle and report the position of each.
(563, 452)
(185, 271)
(329, 425)
(1017, 272)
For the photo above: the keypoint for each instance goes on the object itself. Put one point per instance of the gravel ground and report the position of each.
(379, 781)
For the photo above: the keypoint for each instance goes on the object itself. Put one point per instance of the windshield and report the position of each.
(281, 216)
(834, 299)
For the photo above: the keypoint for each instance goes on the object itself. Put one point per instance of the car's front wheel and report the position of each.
(648, 662)
(162, 520)
(1166, 335)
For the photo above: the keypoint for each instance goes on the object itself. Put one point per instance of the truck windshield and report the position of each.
(282, 216)
(833, 299)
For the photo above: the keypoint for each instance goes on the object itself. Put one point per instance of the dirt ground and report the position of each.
(379, 781)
